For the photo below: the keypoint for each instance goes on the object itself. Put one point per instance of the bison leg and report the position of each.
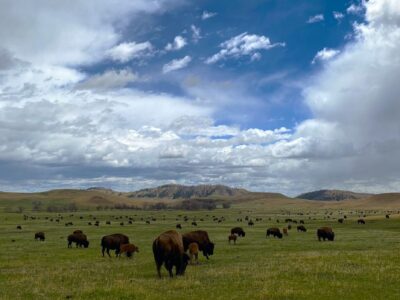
(108, 252)
(169, 265)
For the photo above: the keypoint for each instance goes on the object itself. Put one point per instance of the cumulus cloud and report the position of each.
(66, 33)
(178, 43)
(243, 45)
(124, 52)
(207, 15)
(355, 9)
(177, 64)
(315, 19)
(325, 54)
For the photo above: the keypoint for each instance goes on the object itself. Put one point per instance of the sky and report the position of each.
(263, 95)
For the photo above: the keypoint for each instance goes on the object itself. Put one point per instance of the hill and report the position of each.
(176, 191)
(332, 195)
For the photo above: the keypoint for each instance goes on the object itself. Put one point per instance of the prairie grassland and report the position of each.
(362, 263)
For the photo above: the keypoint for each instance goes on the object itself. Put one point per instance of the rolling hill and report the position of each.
(332, 195)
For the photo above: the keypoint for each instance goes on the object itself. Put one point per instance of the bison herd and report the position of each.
(176, 250)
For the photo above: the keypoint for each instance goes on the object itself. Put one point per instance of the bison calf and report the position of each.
(194, 253)
(128, 249)
(232, 237)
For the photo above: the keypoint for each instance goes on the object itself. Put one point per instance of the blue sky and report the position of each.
(265, 95)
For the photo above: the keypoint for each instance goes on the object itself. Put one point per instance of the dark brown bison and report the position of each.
(39, 236)
(341, 220)
(194, 223)
(168, 250)
(232, 237)
(128, 249)
(360, 221)
(194, 253)
(179, 226)
(113, 242)
(275, 232)
(19, 227)
(325, 233)
(201, 238)
(251, 223)
(79, 239)
(238, 230)
(301, 228)
(387, 217)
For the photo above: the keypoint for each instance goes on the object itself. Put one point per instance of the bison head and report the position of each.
(85, 244)
(208, 249)
(331, 236)
(182, 268)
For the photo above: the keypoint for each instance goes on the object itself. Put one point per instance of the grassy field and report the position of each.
(362, 263)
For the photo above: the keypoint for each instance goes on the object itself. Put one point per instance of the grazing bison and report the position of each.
(19, 227)
(194, 253)
(301, 222)
(39, 236)
(232, 237)
(238, 230)
(113, 242)
(201, 238)
(387, 216)
(301, 228)
(360, 221)
(79, 239)
(179, 226)
(285, 231)
(251, 223)
(275, 232)
(325, 233)
(168, 250)
(194, 223)
(128, 249)
(341, 220)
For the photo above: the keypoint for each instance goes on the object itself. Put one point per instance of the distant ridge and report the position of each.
(176, 191)
(332, 195)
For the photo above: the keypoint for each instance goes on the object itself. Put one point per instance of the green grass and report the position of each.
(362, 263)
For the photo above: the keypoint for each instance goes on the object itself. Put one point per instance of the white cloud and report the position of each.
(242, 45)
(196, 33)
(66, 33)
(355, 9)
(125, 52)
(207, 15)
(108, 80)
(325, 54)
(338, 15)
(315, 19)
(178, 43)
(177, 64)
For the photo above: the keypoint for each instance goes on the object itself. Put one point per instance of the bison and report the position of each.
(275, 232)
(325, 233)
(168, 250)
(194, 253)
(251, 223)
(201, 238)
(79, 239)
(39, 236)
(238, 230)
(341, 220)
(301, 228)
(113, 242)
(128, 249)
(360, 221)
(232, 237)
